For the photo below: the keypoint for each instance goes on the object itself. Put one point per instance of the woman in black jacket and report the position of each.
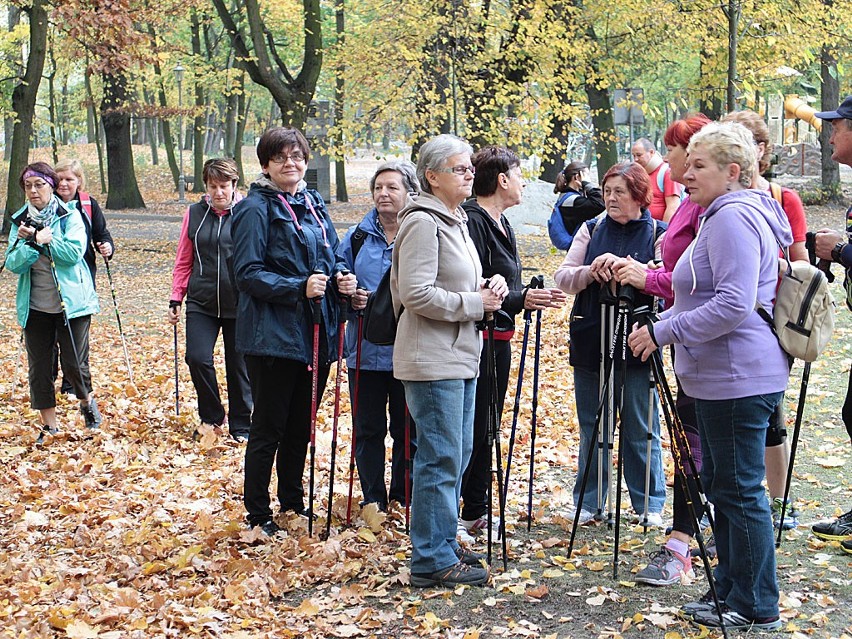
(497, 185)
(71, 190)
(201, 275)
(284, 267)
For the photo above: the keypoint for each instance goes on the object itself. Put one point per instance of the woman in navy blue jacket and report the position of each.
(284, 261)
(367, 250)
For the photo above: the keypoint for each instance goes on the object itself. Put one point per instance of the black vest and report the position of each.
(636, 238)
(210, 290)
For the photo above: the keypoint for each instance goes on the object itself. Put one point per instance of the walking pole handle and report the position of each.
(316, 303)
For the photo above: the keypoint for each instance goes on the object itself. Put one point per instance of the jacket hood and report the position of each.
(428, 202)
(758, 204)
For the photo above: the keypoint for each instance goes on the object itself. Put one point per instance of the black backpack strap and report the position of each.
(357, 241)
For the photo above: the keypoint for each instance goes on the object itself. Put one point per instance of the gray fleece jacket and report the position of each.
(435, 276)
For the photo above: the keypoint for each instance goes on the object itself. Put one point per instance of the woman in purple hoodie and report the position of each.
(728, 359)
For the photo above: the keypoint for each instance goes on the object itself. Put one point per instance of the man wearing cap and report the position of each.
(666, 192)
(580, 200)
(835, 246)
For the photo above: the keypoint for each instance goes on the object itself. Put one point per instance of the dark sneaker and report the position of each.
(45, 430)
(709, 544)
(791, 514)
(702, 605)
(240, 437)
(455, 575)
(846, 546)
(838, 530)
(91, 414)
(469, 557)
(734, 620)
(665, 568)
(269, 528)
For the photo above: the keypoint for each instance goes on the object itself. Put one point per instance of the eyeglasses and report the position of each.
(281, 158)
(458, 170)
(38, 186)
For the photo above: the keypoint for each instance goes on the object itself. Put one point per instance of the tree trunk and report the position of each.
(90, 97)
(51, 103)
(14, 15)
(341, 194)
(243, 106)
(604, 126)
(830, 89)
(265, 66)
(123, 188)
(23, 104)
(733, 12)
(199, 121)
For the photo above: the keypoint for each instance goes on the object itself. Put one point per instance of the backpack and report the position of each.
(379, 319)
(357, 241)
(560, 236)
(803, 316)
(86, 203)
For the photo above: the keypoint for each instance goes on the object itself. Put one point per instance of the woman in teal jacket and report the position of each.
(55, 292)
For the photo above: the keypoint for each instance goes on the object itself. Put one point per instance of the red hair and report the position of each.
(680, 132)
(636, 179)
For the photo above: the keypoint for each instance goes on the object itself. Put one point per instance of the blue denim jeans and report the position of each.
(443, 412)
(633, 430)
(733, 436)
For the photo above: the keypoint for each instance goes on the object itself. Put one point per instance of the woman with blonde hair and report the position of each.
(729, 360)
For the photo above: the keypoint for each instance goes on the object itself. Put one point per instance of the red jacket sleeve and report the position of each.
(183, 262)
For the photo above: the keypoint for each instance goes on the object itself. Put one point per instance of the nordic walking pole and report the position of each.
(534, 411)
(536, 282)
(17, 365)
(316, 313)
(118, 319)
(343, 305)
(355, 392)
(800, 409)
(177, 379)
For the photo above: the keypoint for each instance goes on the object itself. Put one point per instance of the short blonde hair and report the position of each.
(75, 167)
(728, 143)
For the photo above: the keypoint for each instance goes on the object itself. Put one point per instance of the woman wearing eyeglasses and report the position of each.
(284, 263)
(439, 295)
(56, 297)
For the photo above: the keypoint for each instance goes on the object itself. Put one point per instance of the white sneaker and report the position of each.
(463, 536)
(479, 526)
(585, 515)
(655, 520)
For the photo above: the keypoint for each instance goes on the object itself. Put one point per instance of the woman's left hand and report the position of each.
(346, 284)
(538, 299)
(497, 283)
(601, 268)
(641, 343)
(104, 248)
(44, 236)
(629, 271)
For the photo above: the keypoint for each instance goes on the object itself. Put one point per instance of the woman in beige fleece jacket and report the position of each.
(439, 294)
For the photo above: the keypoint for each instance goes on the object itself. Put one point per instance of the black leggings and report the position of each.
(847, 407)
(681, 515)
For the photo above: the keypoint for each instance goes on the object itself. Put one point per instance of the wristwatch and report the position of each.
(837, 250)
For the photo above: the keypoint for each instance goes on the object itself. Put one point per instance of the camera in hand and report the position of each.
(38, 226)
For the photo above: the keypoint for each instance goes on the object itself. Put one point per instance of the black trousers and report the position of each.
(42, 332)
(847, 407)
(280, 433)
(478, 472)
(380, 396)
(202, 331)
